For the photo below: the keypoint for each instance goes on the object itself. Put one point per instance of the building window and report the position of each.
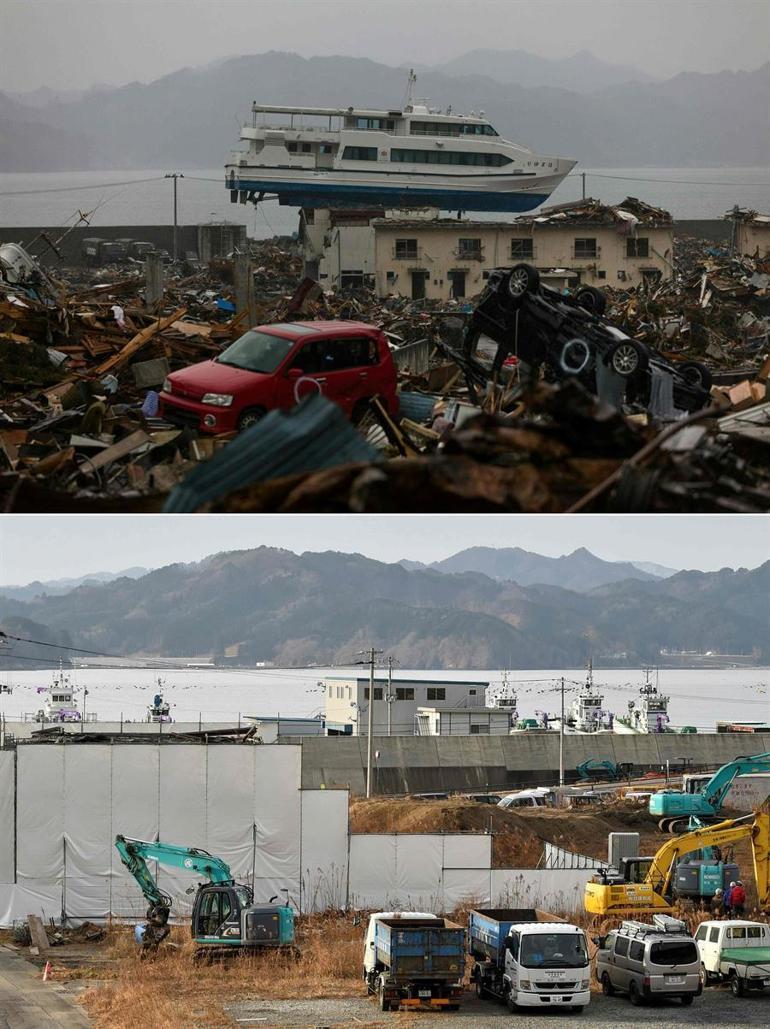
(437, 128)
(404, 693)
(585, 248)
(406, 249)
(291, 147)
(521, 248)
(359, 153)
(436, 693)
(330, 691)
(339, 693)
(471, 693)
(377, 692)
(383, 124)
(637, 247)
(470, 248)
(461, 157)
(477, 730)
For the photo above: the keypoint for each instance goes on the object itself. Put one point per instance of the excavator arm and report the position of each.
(715, 790)
(135, 853)
(757, 828)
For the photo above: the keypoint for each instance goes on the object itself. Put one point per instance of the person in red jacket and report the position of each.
(738, 899)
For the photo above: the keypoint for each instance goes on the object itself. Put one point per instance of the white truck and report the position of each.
(528, 958)
(735, 951)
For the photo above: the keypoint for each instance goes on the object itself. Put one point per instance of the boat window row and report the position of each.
(437, 128)
(381, 124)
(448, 157)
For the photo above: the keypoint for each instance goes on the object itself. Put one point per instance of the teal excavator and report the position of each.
(224, 916)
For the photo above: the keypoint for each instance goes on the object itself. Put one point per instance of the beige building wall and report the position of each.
(409, 251)
(753, 238)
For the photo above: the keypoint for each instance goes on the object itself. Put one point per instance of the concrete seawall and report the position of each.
(422, 764)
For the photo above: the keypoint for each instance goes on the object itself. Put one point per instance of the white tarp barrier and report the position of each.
(324, 858)
(87, 830)
(468, 851)
(276, 813)
(135, 793)
(419, 871)
(40, 807)
(39, 898)
(372, 870)
(7, 800)
(550, 889)
(465, 886)
(229, 801)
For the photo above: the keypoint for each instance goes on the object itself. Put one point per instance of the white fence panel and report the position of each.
(466, 885)
(7, 802)
(324, 849)
(372, 870)
(556, 890)
(468, 851)
(40, 803)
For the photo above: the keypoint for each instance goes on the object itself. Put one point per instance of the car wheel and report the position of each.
(687, 1001)
(697, 374)
(575, 356)
(633, 994)
(522, 280)
(736, 985)
(250, 417)
(607, 988)
(383, 1000)
(592, 299)
(627, 358)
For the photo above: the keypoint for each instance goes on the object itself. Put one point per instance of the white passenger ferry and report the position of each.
(416, 156)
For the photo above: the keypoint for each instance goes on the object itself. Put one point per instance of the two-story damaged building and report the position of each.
(420, 254)
(750, 233)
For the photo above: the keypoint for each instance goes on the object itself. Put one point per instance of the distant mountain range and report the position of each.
(579, 107)
(55, 587)
(324, 608)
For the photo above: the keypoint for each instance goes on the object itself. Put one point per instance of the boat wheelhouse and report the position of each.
(415, 156)
(586, 714)
(60, 704)
(648, 714)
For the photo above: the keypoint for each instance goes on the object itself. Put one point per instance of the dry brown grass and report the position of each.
(173, 990)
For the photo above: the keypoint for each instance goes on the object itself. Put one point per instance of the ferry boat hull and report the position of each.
(326, 190)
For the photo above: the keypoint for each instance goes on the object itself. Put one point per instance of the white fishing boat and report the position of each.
(60, 701)
(413, 156)
(585, 714)
(160, 709)
(648, 714)
(504, 697)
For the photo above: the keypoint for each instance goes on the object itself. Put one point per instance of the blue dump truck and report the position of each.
(528, 958)
(414, 960)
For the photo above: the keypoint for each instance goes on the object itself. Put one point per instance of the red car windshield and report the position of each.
(256, 352)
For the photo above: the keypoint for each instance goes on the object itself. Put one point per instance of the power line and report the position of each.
(677, 182)
(76, 189)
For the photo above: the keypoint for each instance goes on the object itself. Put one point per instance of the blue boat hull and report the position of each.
(300, 194)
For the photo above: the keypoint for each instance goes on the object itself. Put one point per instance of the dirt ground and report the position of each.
(518, 835)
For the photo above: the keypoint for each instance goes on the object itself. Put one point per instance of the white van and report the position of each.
(539, 796)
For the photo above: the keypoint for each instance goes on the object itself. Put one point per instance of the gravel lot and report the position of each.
(715, 1007)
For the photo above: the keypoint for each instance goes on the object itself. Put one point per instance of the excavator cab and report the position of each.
(224, 914)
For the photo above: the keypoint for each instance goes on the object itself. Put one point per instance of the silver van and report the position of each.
(645, 961)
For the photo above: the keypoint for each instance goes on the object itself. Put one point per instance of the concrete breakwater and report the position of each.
(422, 764)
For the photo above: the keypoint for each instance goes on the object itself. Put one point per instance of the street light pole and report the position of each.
(174, 176)
(390, 695)
(370, 720)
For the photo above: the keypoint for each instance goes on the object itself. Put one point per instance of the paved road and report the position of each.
(716, 1007)
(26, 1002)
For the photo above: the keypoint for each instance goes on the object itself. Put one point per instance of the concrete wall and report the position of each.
(753, 238)
(423, 764)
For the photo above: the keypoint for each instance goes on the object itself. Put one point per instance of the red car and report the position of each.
(276, 366)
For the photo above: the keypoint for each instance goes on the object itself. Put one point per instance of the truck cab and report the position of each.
(735, 951)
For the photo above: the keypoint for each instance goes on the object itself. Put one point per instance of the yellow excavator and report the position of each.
(645, 884)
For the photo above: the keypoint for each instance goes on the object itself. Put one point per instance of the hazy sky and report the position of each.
(72, 44)
(68, 546)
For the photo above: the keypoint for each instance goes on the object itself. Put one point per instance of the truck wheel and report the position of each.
(607, 988)
(383, 1000)
(591, 299)
(522, 280)
(736, 984)
(687, 1001)
(633, 994)
(480, 991)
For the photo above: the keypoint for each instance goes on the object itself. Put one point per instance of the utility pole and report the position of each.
(561, 737)
(174, 176)
(372, 655)
(389, 697)
(583, 177)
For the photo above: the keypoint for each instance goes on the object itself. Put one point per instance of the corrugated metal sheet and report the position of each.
(314, 435)
(416, 406)
(414, 357)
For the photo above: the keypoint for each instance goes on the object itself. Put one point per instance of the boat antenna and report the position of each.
(410, 90)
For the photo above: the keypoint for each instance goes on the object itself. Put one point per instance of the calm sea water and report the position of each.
(122, 198)
(697, 697)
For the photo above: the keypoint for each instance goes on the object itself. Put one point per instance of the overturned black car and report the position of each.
(567, 336)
